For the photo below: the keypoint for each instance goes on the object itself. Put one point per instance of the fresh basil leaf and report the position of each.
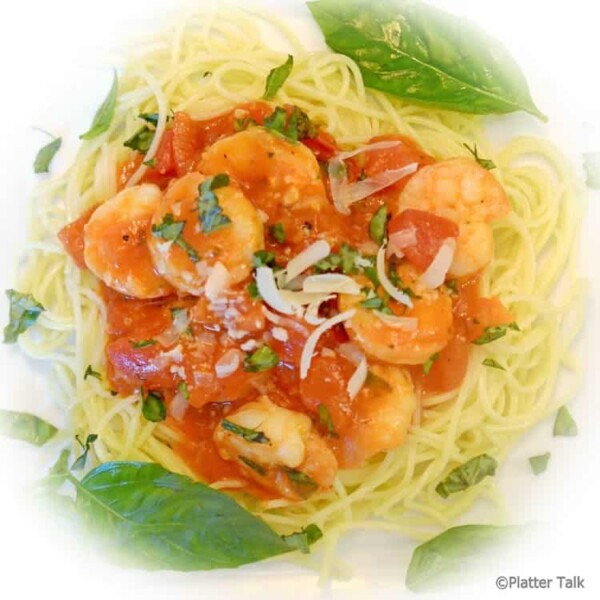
(172, 231)
(24, 311)
(142, 343)
(89, 372)
(301, 479)
(45, 155)
(252, 289)
(425, 55)
(294, 127)
(104, 115)
(262, 359)
(494, 364)
(250, 435)
(378, 225)
(371, 270)
(153, 407)
(467, 475)
(140, 141)
(277, 233)
(254, 466)
(486, 163)
(376, 303)
(303, 539)
(210, 212)
(539, 463)
(448, 555)
(79, 464)
(564, 424)
(429, 363)
(161, 520)
(326, 420)
(26, 427)
(262, 258)
(591, 165)
(277, 77)
(491, 334)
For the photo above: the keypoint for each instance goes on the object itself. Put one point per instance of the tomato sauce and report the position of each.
(147, 347)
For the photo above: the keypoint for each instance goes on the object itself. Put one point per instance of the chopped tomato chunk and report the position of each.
(430, 232)
(323, 146)
(71, 237)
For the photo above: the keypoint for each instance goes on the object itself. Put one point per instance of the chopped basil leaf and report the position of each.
(23, 313)
(254, 466)
(302, 540)
(252, 289)
(377, 382)
(467, 475)
(376, 303)
(26, 427)
(329, 263)
(250, 435)
(277, 78)
(539, 463)
(591, 165)
(89, 372)
(140, 141)
(371, 270)
(326, 420)
(152, 118)
(429, 363)
(153, 407)
(300, 478)
(277, 233)
(348, 256)
(378, 225)
(564, 424)
(262, 258)
(104, 114)
(182, 388)
(452, 285)
(486, 163)
(79, 464)
(297, 126)
(172, 231)
(210, 212)
(150, 163)
(490, 362)
(45, 155)
(142, 343)
(262, 359)
(243, 124)
(491, 334)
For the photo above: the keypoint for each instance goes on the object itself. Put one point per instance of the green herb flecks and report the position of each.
(326, 420)
(486, 163)
(378, 225)
(141, 140)
(277, 233)
(252, 289)
(250, 435)
(137, 344)
(429, 363)
(564, 424)
(24, 311)
(467, 475)
(104, 114)
(26, 427)
(494, 364)
(154, 408)
(539, 463)
(89, 372)
(298, 478)
(45, 155)
(172, 231)
(295, 126)
(210, 212)
(262, 258)
(253, 465)
(303, 539)
(79, 464)
(491, 334)
(262, 359)
(277, 77)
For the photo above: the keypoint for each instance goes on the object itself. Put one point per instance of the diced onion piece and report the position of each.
(306, 259)
(331, 283)
(179, 406)
(358, 379)
(436, 272)
(405, 323)
(218, 281)
(387, 285)
(351, 352)
(313, 339)
(267, 288)
(228, 363)
(284, 322)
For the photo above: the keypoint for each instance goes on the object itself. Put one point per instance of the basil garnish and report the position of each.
(494, 364)
(142, 343)
(378, 225)
(45, 155)
(294, 127)
(104, 115)
(262, 359)
(24, 311)
(326, 420)
(539, 463)
(140, 141)
(79, 464)
(211, 214)
(467, 475)
(564, 424)
(277, 233)
(429, 363)
(172, 231)
(262, 258)
(26, 427)
(301, 479)
(250, 435)
(303, 539)
(89, 372)
(486, 163)
(277, 78)
(254, 466)
(491, 334)
(153, 407)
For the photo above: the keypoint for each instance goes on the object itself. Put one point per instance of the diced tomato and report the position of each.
(323, 146)
(430, 231)
(186, 143)
(71, 237)
(164, 159)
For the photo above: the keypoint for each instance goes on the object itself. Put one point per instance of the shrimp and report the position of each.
(383, 412)
(277, 447)
(460, 190)
(393, 343)
(115, 247)
(185, 253)
(273, 172)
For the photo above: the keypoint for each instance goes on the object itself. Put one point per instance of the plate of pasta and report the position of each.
(283, 295)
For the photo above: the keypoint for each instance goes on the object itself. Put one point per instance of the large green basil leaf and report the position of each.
(166, 521)
(425, 55)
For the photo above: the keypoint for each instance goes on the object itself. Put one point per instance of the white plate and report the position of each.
(55, 70)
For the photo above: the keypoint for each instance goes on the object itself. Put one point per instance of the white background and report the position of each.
(56, 60)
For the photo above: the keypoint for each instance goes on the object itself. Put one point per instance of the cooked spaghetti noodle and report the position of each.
(205, 66)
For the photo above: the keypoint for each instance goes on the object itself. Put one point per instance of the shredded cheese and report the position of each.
(436, 272)
(358, 379)
(306, 259)
(331, 283)
(387, 285)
